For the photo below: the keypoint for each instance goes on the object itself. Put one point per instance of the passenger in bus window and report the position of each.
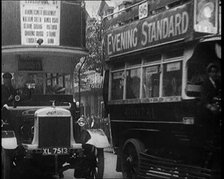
(171, 88)
(151, 85)
(133, 85)
(211, 89)
(8, 91)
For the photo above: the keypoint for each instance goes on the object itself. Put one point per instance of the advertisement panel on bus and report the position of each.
(56, 23)
(172, 25)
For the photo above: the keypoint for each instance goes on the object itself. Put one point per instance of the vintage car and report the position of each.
(42, 137)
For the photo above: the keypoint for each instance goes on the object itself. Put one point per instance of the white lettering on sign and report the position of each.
(173, 66)
(147, 32)
(143, 10)
(118, 75)
(40, 19)
(43, 2)
(168, 27)
(152, 70)
(123, 40)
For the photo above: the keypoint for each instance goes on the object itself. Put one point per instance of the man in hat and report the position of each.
(210, 112)
(211, 88)
(8, 92)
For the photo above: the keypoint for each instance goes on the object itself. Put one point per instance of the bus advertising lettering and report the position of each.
(171, 25)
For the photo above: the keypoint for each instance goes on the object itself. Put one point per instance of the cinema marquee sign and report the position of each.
(172, 25)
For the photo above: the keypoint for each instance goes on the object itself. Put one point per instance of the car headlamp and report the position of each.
(17, 98)
(81, 122)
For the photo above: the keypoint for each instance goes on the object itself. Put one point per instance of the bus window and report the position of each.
(118, 65)
(117, 85)
(58, 83)
(172, 78)
(151, 82)
(152, 58)
(22, 79)
(173, 54)
(196, 73)
(133, 83)
(68, 84)
(134, 63)
(195, 76)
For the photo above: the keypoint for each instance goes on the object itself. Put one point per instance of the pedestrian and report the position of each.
(210, 108)
(211, 89)
(8, 94)
(8, 91)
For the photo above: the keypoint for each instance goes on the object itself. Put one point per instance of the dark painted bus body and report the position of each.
(155, 65)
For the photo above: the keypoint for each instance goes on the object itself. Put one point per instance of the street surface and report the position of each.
(109, 170)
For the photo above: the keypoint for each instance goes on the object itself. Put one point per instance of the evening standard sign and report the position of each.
(170, 26)
(40, 20)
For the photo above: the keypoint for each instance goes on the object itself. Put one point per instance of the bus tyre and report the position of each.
(131, 158)
(6, 164)
(98, 171)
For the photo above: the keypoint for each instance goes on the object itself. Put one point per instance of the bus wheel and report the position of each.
(6, 164)
(131, 158)
(98, 171)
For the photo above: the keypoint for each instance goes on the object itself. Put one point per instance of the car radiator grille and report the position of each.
(54, 131)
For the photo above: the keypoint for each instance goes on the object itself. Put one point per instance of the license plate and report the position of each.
(55, 151)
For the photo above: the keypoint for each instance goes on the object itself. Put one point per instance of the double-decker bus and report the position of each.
(156, 54)
(42, 42)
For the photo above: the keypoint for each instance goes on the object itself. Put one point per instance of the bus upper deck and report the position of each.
(43, 45)
(158, 51)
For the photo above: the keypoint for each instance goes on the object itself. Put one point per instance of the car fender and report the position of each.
(97, 138)
(9, 140)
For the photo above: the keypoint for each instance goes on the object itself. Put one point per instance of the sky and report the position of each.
(92, 6)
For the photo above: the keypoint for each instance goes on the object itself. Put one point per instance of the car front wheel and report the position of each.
(98, 171)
